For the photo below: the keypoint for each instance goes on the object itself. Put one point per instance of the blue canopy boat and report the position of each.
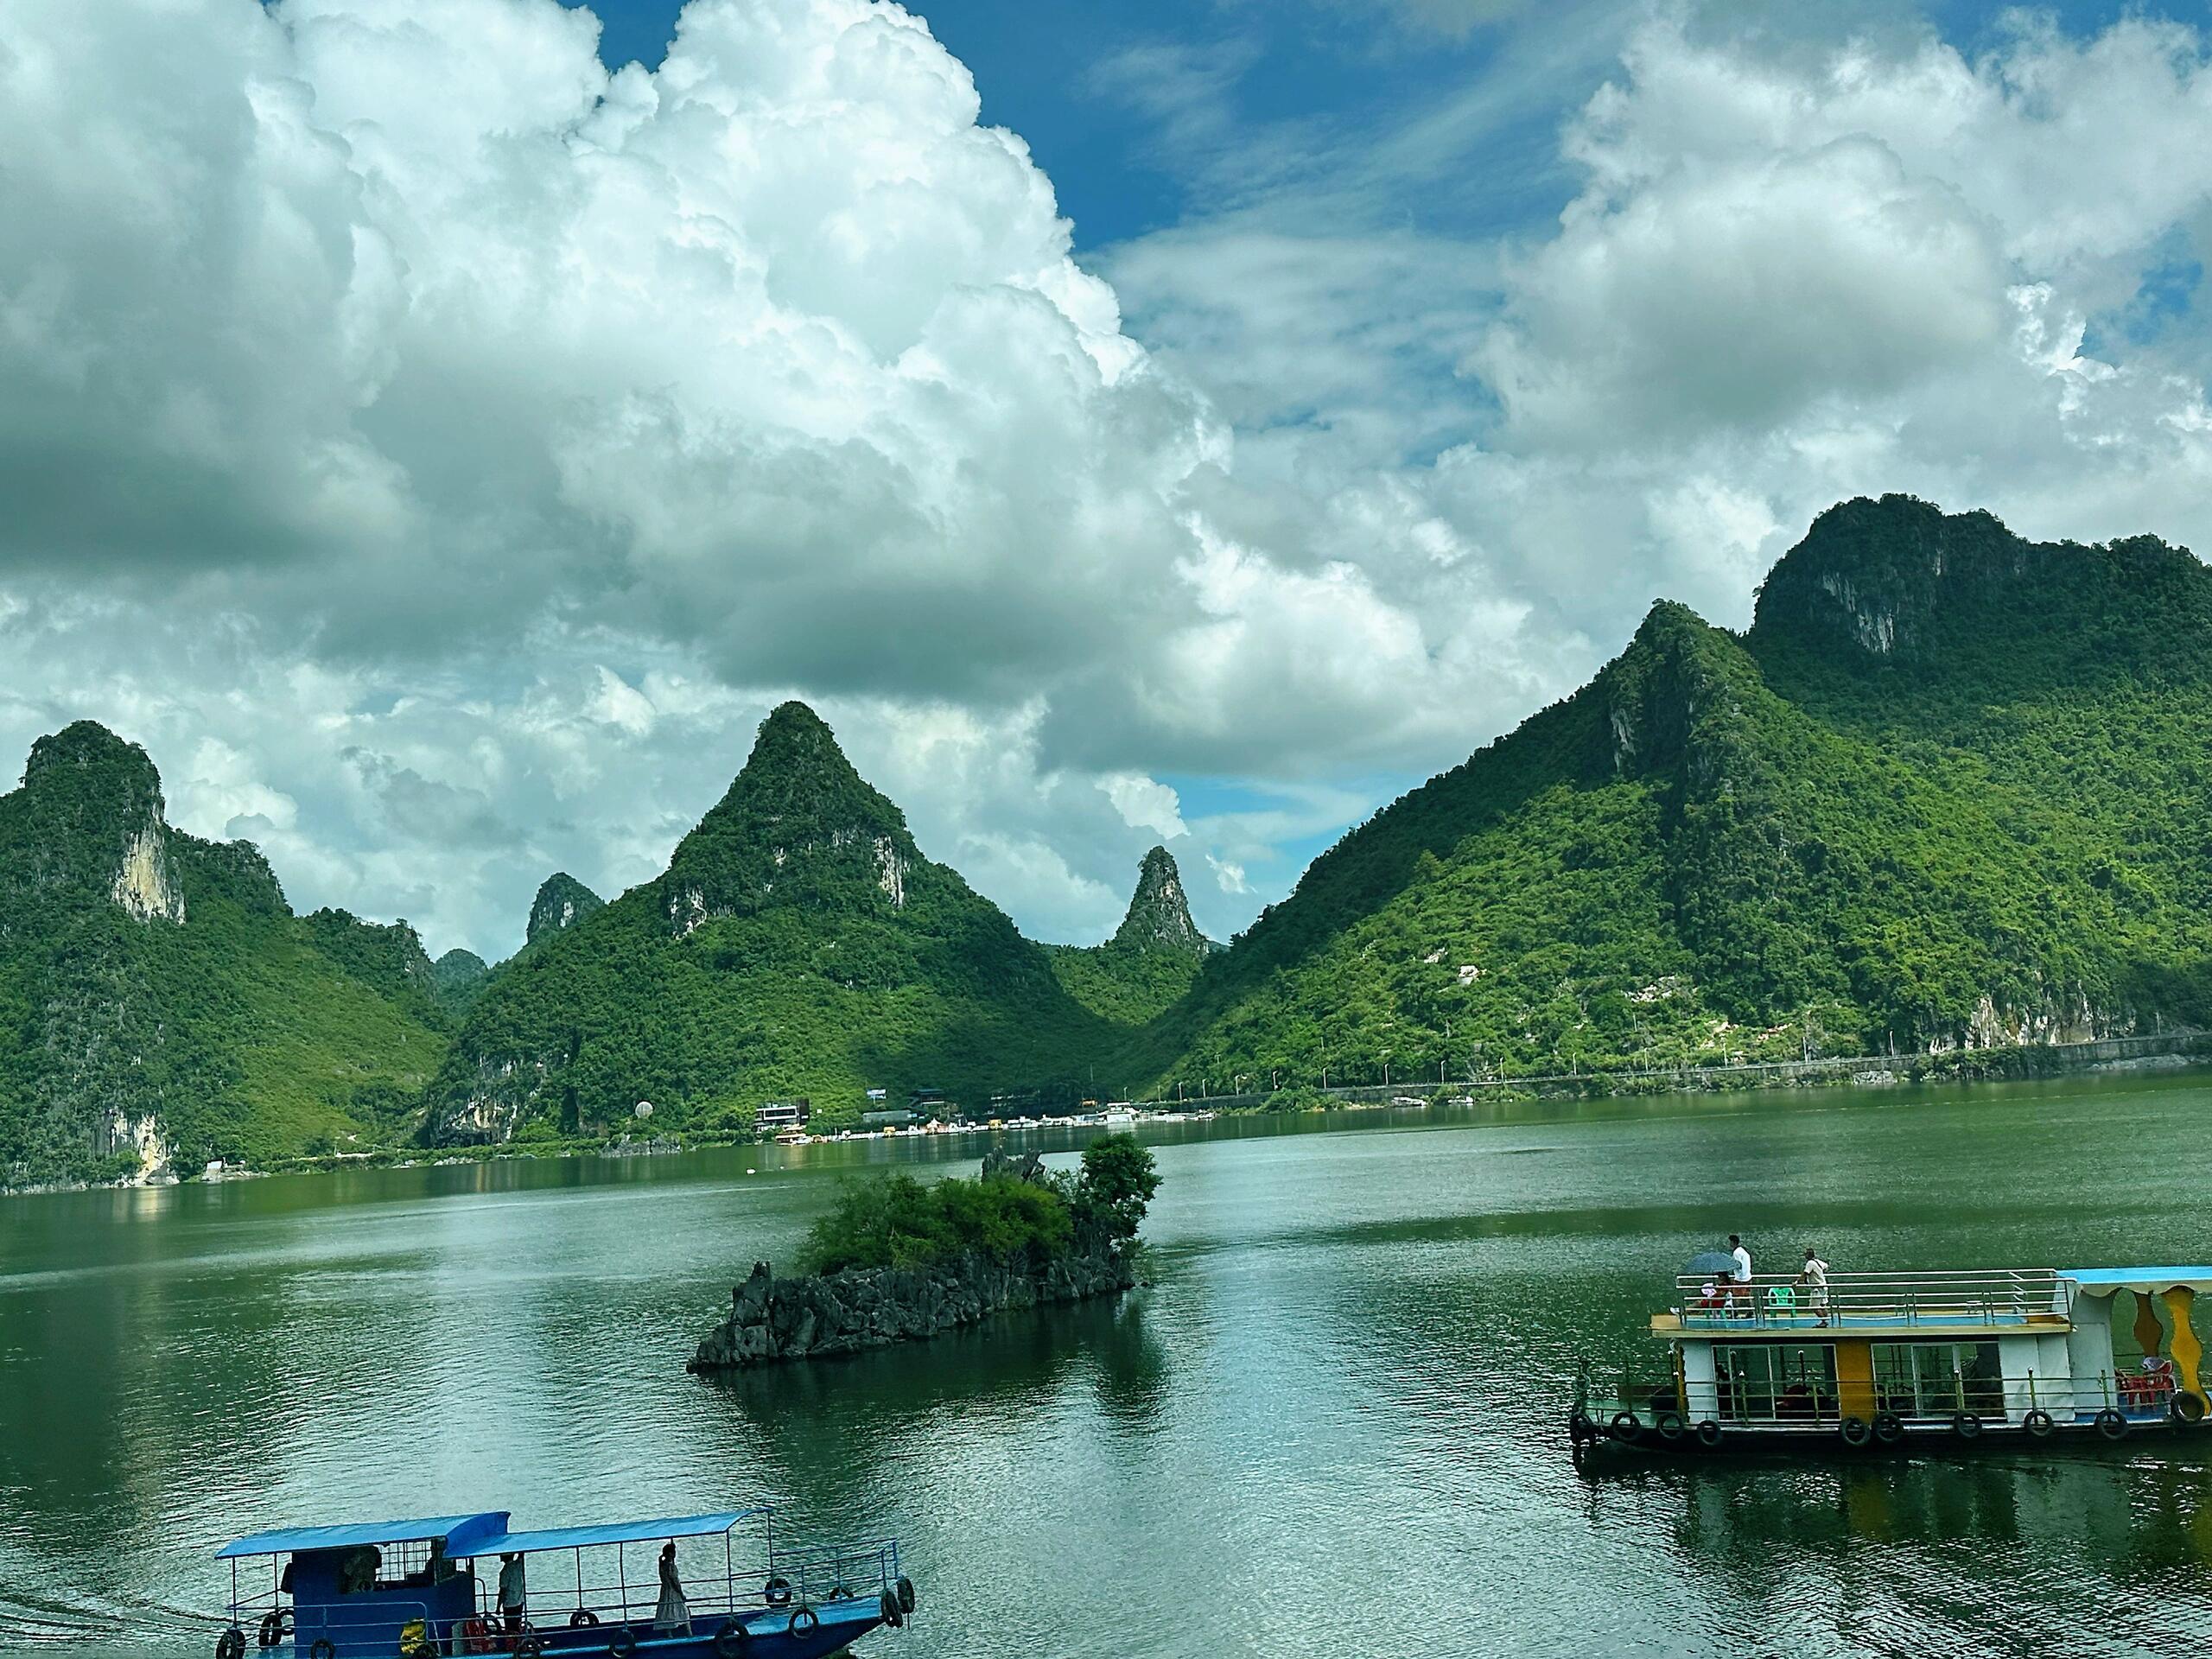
(411, 1589)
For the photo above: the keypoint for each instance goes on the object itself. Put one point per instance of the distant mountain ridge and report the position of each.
(1947, 791)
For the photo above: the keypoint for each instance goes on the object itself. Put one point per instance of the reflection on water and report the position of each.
(1335, 1417)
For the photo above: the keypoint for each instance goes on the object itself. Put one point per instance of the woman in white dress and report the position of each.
(673, 1616)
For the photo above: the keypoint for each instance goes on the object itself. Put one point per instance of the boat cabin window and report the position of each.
(1934, 1379)
(1769, 1382)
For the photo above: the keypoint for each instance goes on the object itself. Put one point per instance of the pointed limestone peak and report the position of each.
(1160, 913)
(98, 799)
(800, 825)
(562, 902)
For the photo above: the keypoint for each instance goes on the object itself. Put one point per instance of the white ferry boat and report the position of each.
(1887, 1360)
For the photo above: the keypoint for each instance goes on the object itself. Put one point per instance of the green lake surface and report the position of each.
(1332, 1426)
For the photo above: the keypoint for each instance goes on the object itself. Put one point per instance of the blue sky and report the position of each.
(448, 476)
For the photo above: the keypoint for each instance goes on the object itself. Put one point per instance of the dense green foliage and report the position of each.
(1152, 957)
(895, 1221)
(207, 1016)
(458, 978)
(798, 944)
(1946, 790)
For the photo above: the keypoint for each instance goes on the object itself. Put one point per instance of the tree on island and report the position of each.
(1013, 1211)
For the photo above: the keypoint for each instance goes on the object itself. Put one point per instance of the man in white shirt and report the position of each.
(512, 1595)
(1813, 1276)
(1741, 1278)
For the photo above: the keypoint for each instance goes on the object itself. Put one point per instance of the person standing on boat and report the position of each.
(1741, 1277)
(514, 1595)
(673, 1616)
(1814, 1276)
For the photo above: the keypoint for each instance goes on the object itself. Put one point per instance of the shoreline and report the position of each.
(2175, 1051)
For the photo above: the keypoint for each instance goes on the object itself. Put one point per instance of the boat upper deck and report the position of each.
(1969, 1305)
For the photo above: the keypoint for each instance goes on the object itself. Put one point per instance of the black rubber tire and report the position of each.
(888, 1610)
(1966, 1426)
(1579, 1429)
(323, 1650)
(2037, 1424)
(2186, 1408)
(1670, 1425)
(1855, 1430)
(730, 1641)
(804, 1620)
(906, 1590)
(230, 1644)
(272, 1627)
(1889, 1428)
(1626, 1428)
(622, 1643)
(1708, 1433)
(777, 1593)
(841, 1594)
(582, 1619)
(2111, 1424)
(529, 1645)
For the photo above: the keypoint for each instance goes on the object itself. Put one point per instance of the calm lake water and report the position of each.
(1333, 1425)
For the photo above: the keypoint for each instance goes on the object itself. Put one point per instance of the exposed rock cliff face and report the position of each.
(772, 1320)
(562, 902)
(1159, 916)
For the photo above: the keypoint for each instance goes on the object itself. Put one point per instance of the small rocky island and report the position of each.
(899, 1261)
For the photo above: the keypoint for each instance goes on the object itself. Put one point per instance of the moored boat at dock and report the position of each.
(2024, 1355)
(412, 1589)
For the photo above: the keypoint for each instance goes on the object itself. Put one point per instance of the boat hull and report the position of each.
(778, 1633)
(1825, 1443)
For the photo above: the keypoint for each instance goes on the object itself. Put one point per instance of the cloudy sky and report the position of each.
(439, 430)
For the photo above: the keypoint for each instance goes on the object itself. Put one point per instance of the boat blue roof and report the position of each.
(2121, 1278)
(612, 1532)
(460, 1531)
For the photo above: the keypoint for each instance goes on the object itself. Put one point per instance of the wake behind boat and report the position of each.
(411, 1588)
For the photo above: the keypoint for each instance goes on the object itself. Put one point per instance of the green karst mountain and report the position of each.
(1948, 791)
(159, 1001)
(798, 943)
(562, 901)
(1152, 958)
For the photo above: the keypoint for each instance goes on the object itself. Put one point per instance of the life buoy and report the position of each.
(777, 1593)
(582, 1618)
(1889, 1427)
(230, 1644)
(2186, 1407)
(2038, 1424)
(1708, 1432)
(906, 1589)
(622, 1643)
(805, 1621)
(1966, 1426)
(1669, 1425)
(2111, 1424)
(1855, 1430)
(730, 1640)
(1627, 1427)
(888, 1610)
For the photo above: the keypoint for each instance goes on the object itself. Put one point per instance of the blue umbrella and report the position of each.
(1707, 1264)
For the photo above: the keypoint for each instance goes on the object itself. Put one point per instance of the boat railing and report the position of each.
(1979, 1297)
(1813, 1400)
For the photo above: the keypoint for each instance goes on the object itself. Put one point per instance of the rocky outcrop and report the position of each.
(562, 902)
(1158, 917)
(772, 1320)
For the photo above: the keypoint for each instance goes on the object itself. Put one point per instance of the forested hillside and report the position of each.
(1152, 958)
(1948, 789)
(159, 1001)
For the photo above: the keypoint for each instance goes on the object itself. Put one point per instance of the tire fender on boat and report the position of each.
(2038, 1424)
(1966, 1426)
(582, 1618)
(2186, 1407)
(777, 1593)
(1627, 1428)
(730, 1640)
(1708, 1432)
(889, 1611)
(1855, 1430)
(230, 1644)
(323, 1650)
(2111, 1424)
(1669, 1425)
(1889, 1427)
(622, 1643)
(805, 1621)
(905, 1588)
